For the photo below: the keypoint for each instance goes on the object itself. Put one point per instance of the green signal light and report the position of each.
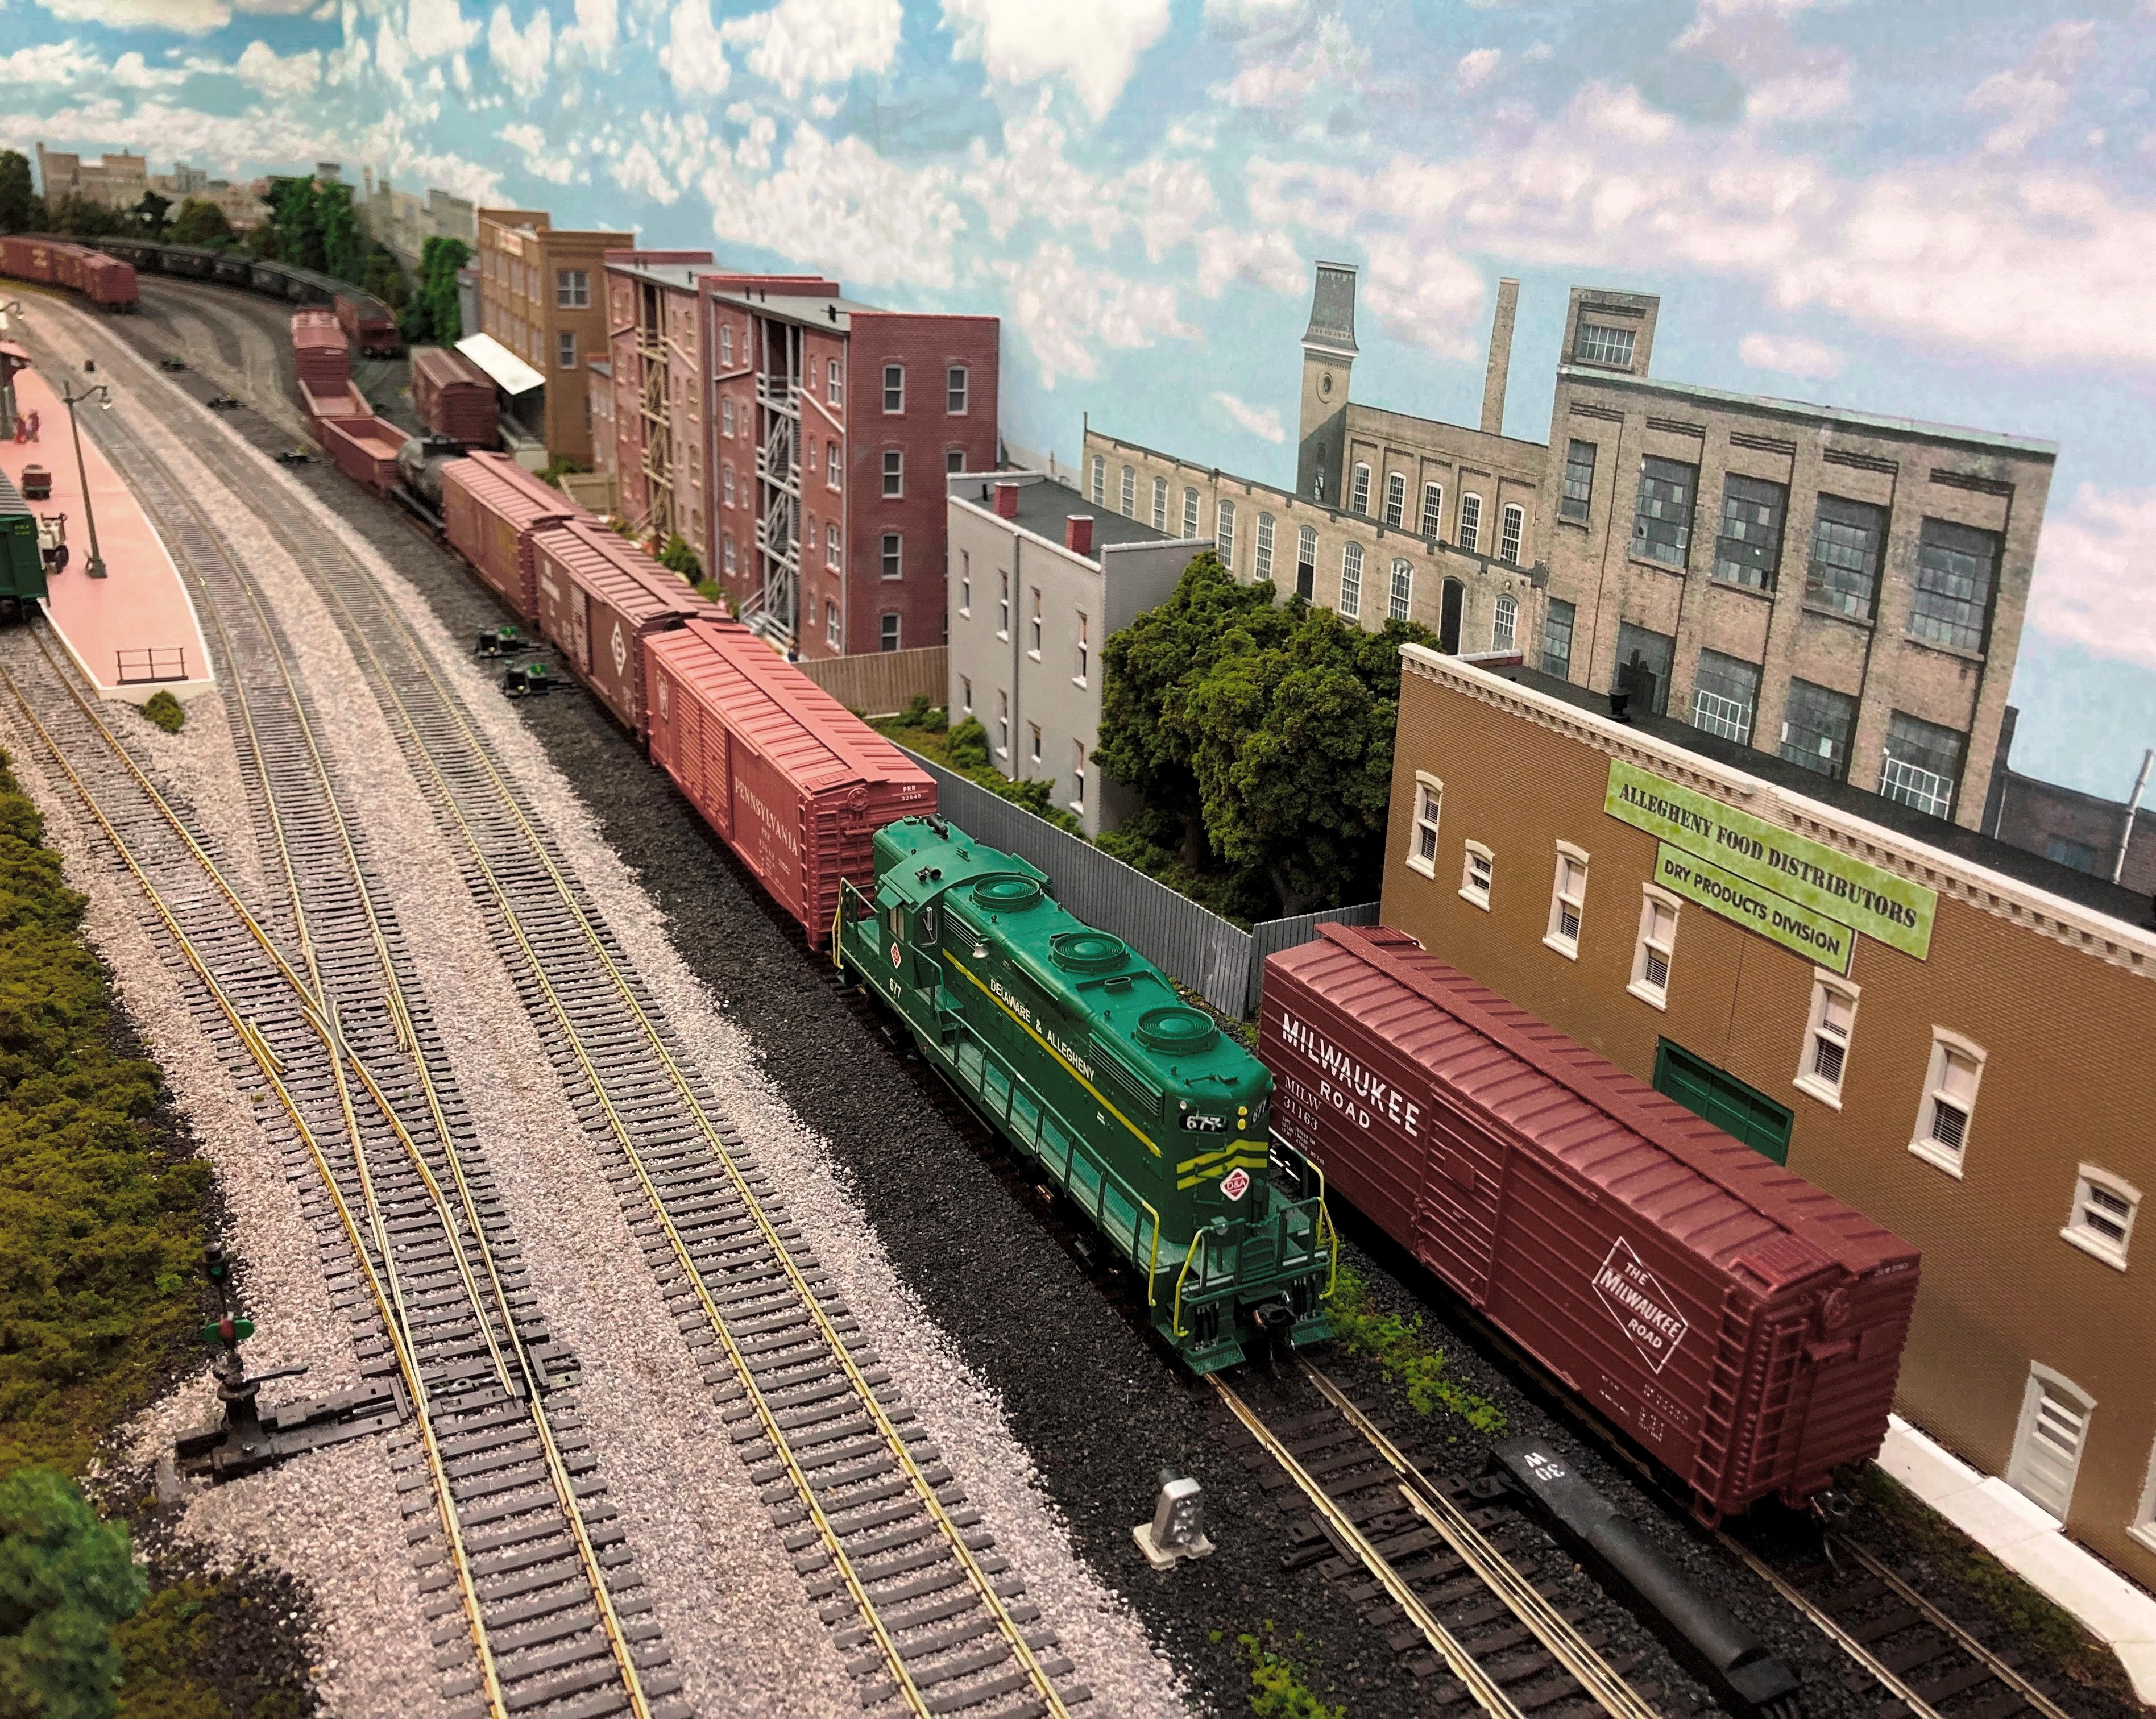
(230, 1333)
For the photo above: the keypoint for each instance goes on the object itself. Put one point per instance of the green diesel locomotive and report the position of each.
(1081, 1053)
(21, 558)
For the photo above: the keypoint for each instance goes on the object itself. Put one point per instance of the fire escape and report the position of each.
(656, 410)
(775, 610)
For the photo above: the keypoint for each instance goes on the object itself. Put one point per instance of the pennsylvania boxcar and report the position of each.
(26, 258)
(491, 507)
(1740, 1324)
(1081, 1053)
(22, 561)
(790, 779)
(599, 597)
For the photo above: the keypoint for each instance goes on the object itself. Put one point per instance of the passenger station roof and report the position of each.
(511, 373)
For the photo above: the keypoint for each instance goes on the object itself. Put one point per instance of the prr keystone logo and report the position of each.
(1642, 1308)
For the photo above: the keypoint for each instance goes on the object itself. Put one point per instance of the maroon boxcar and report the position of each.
(369, 324)
(319, 351)
(108, 283)
(26, 259)
(1741, 1326)
(599, 596)
(491, 507)
(67, 266)
(454, 396)
(365, 450)
(791, 780)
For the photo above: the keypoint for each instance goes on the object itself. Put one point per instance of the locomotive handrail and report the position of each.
(1196, 1241)
(1325, 1224)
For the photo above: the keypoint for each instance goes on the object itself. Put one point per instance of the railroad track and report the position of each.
(927, 1612)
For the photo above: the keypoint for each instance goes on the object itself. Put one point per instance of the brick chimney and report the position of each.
(1501, 358)
(1078, 533)
(1006, 501)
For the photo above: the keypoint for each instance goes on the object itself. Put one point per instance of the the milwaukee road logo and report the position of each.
(1370, 1090)
(1644, 1309)
(787, 835)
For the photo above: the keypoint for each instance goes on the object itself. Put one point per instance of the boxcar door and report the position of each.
(1457, 1216)
(580, 629)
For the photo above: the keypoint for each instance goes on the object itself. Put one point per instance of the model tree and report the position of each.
(150, 212)
(65, 1579)
(432, 314)
(16, 196)
(201, 223)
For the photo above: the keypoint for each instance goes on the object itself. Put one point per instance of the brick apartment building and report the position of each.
(2106, 838)
(1842, 589)
(800, 441)
(542, 294)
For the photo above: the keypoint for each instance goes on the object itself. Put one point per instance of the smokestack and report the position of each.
(1078, 533)
(1006, 501)
(1501, 358)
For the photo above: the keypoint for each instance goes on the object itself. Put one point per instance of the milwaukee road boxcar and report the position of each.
(1742, 1326)
(791, 780)
(491, 507)
(600, 596)
(1081, 1053)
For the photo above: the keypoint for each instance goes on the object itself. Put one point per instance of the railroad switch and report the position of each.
(527, 681)
(1176, 1531)
(497, 641)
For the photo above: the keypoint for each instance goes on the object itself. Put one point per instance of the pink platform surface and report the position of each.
(137, 623)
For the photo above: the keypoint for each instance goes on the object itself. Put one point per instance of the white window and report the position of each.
(1262, 556)
(1099, 481)
(727, 484)
(965, 581)
(1189, 513)
(831, 547)
(727, 550)
(1160, 504)
(1033, 648)
(726, 416)
(834, 383)
(894, 472)
(1504, 623)
(954, 390)
(1129, 493)
(1475, 875)
(1567, 901)
(1470, 521)
(888, 640)
(1035, 728)
(1657, 946)
(894, 387)
(893, 555)
(726, 344)
(809, 540)
(1078, 778)
(1943, 1117)
(1403, 590)
(1084, 650)
(565, 350)
(831, 625)
(1351, 581)
(966, 693)
(1002, 725)
(1003, 605)
(1396, 499)
(1824, 1058)
(1360, 501)
(2101, 1222)
(2049, 1442)
(573, 290)
(1422, 842)
(1508, 534)
(831, 464)
(1224, 534)
(2143, 1526)
(1433, 509)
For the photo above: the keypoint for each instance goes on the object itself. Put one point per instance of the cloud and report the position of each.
(638, 171)
(555, 170)
(276, 74)
(595, 33)
(189, 18)
(130, 71)
(1263, 422)
(1791, 354)
(434, 27)
(49, 63)
(1280, 82)
(521, 57)
(1093, 44)
(1425, 295)
(2033, 97)
(1261, 257)
(803, 42)
(1476, 68)
(1065, 309)
(2091, 584)
(694, 57)
(1235, 17)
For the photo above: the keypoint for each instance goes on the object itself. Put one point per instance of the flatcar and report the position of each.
(1080, 1052)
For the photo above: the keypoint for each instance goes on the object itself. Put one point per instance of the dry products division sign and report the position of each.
(1810, 934)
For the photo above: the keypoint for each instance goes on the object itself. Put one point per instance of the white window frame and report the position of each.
(966, 583)
(1224, 533)
(890, 632)
(1261, 548)
(726, 542)
(1160, 504)
(1433, 512)
(1469, 536)
(1476, 887)
(1035, 728)
(1099, 481)
(727, 344)
(1037, 625)
(1511, 531)
(1653, 901)
(1002, 605)
(1130, 493)
(834, 383)
(1084, 650)
(1403, 590)
(831, 625)
(1505, 623)
(1002, 723)
(831, 473)
(890, 555)
(726, 415)
(1078, 775)
(1817, 1027)
(2049, 1380)
(1554, 937)
(890, 386)
(831, 546)
(573, 290)
(1396, 498)
(1922, 1140)
(966, 693)
(957, 386)
(1423, 826)
(894, 474)
(1359, 495)
(1190, 507)
(2089, 1239)
(1351, 581)
(565, 349)
(726, 483)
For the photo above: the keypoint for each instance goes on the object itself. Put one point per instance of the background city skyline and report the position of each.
(1939, 212)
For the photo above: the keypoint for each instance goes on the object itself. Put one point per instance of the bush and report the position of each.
(708, 589)
(967, 746)
(166, 711)
(677, 556)
(923, 718)
(551, 473)
(65, 1579)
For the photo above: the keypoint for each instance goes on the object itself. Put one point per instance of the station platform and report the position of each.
(2032, 1544)
(134, 632)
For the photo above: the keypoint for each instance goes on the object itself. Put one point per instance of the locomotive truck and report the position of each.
(1079, 1052)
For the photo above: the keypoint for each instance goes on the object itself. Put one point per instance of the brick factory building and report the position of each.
(2108, 839)
(541, 294)
(1944, 1031)
(800, 441)
(1841, 589)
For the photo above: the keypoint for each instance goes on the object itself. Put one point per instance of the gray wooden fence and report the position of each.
(883, 682)
(1214, 957)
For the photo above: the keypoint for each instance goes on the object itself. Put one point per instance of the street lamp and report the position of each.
(95, 566)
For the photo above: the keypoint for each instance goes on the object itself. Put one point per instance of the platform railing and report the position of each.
(152, 663)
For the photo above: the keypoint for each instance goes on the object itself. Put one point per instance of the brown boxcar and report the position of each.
(792, 780)
(67, 266)
(108, 283)
(1742, 1326)
(365, 450)
(319, 351)
(454, 396)
(491, 507)
(599, 596)
(369, 324)
(26, 259)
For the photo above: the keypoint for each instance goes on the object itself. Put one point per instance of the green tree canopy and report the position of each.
(383, 276)
(202, 223)
(65, 1579)
(15, 193)
(151, 212)
(1267, 729)
(434, 315)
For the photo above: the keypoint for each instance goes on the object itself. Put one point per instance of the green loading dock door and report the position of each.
(1723, 1100)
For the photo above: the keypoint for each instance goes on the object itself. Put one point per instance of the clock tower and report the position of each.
(1328, 357)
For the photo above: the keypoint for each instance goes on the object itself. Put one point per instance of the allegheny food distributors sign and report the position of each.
(1785, 886)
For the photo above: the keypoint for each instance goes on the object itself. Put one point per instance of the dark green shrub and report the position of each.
(65, 1579)
(165, 710)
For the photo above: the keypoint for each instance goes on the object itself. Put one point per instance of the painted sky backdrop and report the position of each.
(1945, 211)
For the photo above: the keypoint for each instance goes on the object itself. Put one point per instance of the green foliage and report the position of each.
(432, 315)
(98, 1229)
(1278, 1686)
(968, 749)
(166, 711)
(152, 212)
(84, 218)
(678, 557)
(264, 245)
(344, 250)
(296, 216)
(1411, 1366)
(551, 473)
(15, 193)
(921, 728)
(920, 716)
(382, 274)
(196, 1652)
(201, 222)
(65, 1579)
(1152, 841)
(709, 590)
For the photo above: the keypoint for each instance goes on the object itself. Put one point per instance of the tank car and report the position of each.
(420, 464)
(1079, 1052)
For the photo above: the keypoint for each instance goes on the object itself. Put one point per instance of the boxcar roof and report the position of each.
(501, 478)
(617, 570)
(1695, 1183)
(445, 369)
